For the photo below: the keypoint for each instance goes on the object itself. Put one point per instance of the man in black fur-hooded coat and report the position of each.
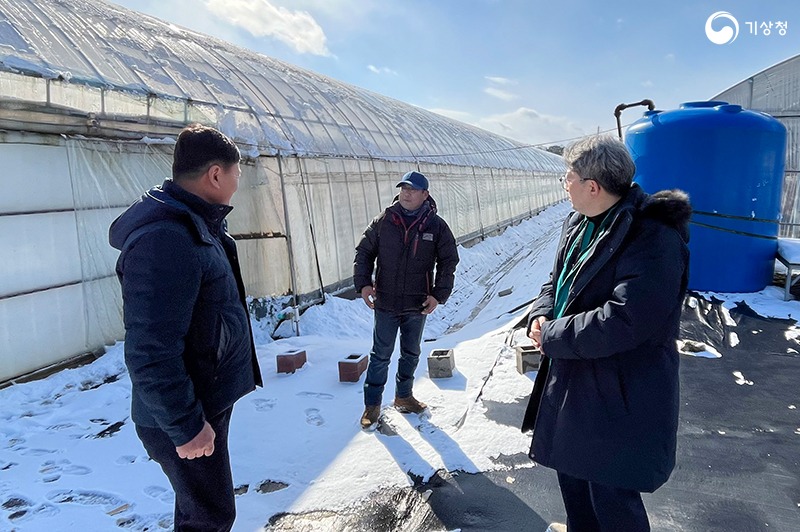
(604, 407)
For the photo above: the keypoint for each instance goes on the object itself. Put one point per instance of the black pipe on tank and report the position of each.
(618, 112)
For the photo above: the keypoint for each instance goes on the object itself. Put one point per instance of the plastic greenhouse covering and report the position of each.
(118, 62)
(776, 91)
(91, 98)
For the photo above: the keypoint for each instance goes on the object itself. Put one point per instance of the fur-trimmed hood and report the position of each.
(671, 207)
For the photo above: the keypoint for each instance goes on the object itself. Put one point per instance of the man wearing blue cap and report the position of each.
(408, 241)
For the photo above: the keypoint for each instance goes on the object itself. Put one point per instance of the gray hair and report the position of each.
(604, 159)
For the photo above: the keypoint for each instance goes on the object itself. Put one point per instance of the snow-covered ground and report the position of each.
(70, 458)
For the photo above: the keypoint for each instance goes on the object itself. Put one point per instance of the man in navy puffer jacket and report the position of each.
(408, 240)
(188, 343)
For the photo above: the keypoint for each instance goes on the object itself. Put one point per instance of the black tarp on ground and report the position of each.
(739, 450)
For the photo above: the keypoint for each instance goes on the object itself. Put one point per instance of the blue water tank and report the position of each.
(730, 161)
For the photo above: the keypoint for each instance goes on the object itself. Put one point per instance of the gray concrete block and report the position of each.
(441, 363)
(528, 358)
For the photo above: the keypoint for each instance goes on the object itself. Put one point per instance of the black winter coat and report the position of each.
(188, 342)
(604, 406)
(407, 250)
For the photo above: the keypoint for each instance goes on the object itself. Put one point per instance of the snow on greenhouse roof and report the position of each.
(186, 76)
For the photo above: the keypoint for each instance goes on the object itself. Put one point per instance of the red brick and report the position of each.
(351, 368)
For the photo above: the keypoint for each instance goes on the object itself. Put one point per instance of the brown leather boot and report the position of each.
(370, 417)
(409, 405)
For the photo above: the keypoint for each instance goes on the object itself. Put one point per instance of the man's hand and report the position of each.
(368, 295)
(536, 331)
(429, 305)
(200, 445)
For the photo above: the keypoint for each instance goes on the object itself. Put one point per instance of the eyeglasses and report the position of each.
(563, 179)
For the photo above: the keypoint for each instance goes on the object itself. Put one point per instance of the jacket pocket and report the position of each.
(224, 339)
(555, 387)
(611, 387)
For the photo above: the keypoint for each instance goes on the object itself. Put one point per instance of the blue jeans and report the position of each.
(383, 338)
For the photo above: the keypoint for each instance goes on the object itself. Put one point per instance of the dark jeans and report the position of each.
(204, 498)
(383, 339)
(593, 507)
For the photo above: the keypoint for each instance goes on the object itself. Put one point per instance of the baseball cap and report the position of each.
(415, 180)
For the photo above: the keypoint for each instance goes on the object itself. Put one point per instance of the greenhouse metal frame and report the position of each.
(91, 98)
(776, 91)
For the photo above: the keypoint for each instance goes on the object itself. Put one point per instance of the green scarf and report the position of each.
(583, 246)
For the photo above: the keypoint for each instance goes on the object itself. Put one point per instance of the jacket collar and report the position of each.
(670, 207)
(212, 214)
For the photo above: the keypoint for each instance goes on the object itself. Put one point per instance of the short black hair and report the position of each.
(198, 147)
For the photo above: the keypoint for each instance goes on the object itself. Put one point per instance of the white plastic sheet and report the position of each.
(97, 57)
(59, 295)
(322, 159)
(776, 91)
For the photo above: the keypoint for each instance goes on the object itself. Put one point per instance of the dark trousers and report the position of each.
(383, 338)
(204, 498)
(593, 507)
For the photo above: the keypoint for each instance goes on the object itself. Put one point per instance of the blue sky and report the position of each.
(534, 71)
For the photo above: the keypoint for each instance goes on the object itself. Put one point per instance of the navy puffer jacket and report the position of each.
(604, 406)
(188, 342)
(407, 250)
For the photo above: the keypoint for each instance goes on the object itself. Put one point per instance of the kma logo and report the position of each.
(725, 35)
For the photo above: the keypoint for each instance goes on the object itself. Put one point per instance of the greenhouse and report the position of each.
(776, 91)
(91, 99)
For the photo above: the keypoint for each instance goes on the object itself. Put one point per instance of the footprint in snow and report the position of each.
(21, 509)
(35, 452)
(61, 426)
(15, 444)
(5, 466)
(86, 498)
(53, 470)
(16, 502)
(264, 405)
(146, 522)
(313, 417)
(162, 494)
(316, 395)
